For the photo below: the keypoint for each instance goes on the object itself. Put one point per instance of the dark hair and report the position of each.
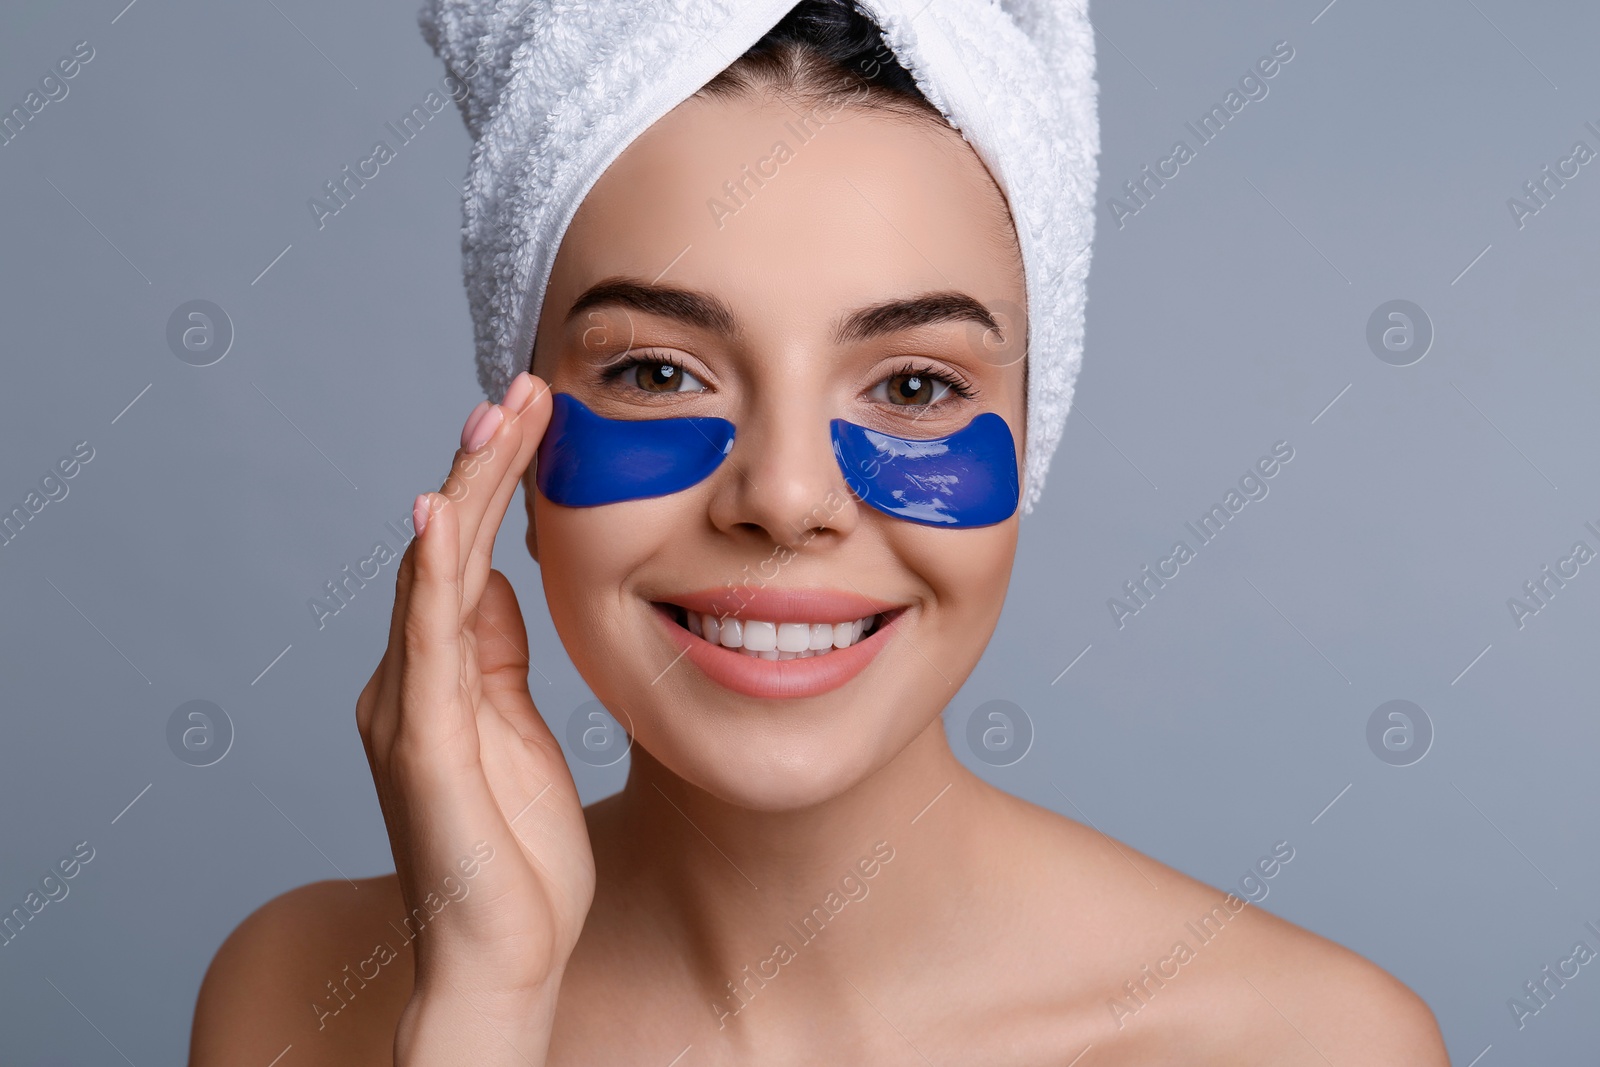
(822, 48)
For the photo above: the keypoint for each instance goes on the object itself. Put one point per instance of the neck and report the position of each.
(792, 899)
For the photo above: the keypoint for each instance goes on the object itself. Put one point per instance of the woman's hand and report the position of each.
(464, 765)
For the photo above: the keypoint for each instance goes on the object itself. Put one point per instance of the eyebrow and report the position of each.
(703, 310)
(686, 305)
(928, 309)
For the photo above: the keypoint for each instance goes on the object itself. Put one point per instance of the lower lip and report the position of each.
(777, 679)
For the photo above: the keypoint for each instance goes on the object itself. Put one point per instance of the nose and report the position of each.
(781, 481)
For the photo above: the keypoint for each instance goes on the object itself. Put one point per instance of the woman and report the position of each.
(798, 869)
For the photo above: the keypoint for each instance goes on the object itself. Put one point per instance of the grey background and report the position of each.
(1224, 317)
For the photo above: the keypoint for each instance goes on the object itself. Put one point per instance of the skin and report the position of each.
(995, 931)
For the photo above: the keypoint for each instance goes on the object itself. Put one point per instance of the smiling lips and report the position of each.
(778, 644)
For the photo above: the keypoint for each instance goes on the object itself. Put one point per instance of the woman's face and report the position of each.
(764, 251)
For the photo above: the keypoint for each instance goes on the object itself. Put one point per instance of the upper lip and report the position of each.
(782, 605)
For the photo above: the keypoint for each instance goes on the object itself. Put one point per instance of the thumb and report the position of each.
(501, 636)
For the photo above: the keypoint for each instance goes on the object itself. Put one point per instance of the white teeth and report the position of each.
(794, 636)
(760, 636)
(776, 640)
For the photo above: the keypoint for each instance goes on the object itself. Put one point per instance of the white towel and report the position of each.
(556, 89)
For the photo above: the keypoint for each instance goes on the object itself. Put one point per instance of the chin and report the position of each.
(775, 766)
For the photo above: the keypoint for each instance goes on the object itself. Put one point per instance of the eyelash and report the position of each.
(956, 383)
(622, 366)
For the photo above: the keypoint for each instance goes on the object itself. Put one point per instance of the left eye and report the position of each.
(657, 376)
(912, 389)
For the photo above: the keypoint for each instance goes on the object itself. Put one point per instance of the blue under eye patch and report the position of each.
(586, 459)
(968, 478)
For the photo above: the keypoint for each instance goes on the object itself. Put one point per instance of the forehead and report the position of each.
(792, 214)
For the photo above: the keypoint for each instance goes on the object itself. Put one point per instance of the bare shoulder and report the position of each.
(324, 969)
(1315, 1000)
(1167, 966)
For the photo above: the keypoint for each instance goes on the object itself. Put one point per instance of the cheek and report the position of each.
(587, 557)
(582, 542)
(967, 572)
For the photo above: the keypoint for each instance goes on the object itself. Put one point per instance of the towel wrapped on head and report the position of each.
(555, 90)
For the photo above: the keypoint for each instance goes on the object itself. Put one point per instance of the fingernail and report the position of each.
(518, 392)
(472, 422)
(419, 513)
(486, 425)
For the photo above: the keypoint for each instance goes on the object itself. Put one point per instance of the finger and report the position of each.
(502, 637)
(488, 473)
(515, 441)
(367, 702)
(433, 719)
(525, 430)
(382, 715)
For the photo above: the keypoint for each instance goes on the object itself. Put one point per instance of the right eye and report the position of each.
(656, 375)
